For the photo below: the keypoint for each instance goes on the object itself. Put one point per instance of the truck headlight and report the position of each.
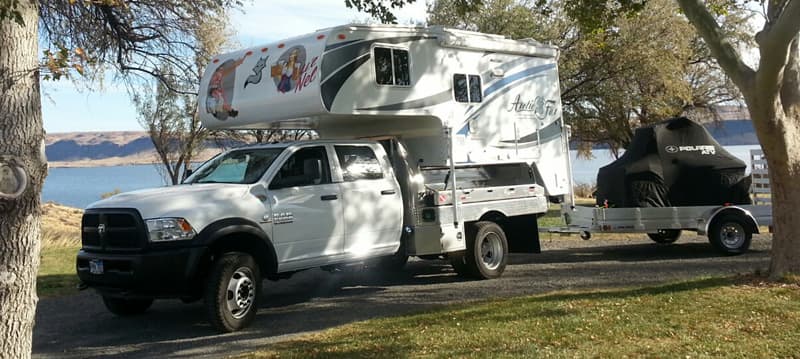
(169, 229)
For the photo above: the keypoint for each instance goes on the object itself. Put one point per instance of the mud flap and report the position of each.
(522, 233)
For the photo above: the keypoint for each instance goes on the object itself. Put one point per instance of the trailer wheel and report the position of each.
(232, 292)
(665, 236)
(730, 234)
(487, 252)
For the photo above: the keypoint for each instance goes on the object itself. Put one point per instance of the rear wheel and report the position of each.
(232, 292)
(665, 236)
(730, 234)
(126, 307)
(487, 252)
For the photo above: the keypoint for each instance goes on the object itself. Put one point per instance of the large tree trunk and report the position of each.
(778, 127)
(22, 143)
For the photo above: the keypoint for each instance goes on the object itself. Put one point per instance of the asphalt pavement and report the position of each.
(78, 326)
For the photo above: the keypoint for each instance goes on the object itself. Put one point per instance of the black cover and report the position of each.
(673, 163)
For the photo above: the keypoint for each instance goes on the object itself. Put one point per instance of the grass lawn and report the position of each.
(57, 271)
(61, 231)
(713, 317)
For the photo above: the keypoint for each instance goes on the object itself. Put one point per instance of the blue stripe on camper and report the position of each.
(504, 85)
(515, 77)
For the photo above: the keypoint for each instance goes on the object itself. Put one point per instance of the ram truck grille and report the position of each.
(112, 230)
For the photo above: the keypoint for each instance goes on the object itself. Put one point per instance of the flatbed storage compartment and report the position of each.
(673, 163)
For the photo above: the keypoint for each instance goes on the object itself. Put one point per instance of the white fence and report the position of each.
(759, 172)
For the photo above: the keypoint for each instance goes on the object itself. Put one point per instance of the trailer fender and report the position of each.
(717, 212)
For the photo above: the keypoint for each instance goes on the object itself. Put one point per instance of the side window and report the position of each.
(467, 88)
(358, 162)
(392, 67)
(306, 167)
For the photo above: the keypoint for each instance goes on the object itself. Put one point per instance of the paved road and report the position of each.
(79, 325)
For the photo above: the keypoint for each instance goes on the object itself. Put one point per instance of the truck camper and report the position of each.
(435, 143)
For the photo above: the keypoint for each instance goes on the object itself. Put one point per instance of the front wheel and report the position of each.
(487, 252)
(232, 292)
(665, 236)
(126, 307)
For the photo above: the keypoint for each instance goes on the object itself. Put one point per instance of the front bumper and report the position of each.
(166, 273)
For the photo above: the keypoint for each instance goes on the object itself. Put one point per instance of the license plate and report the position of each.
(96, 266)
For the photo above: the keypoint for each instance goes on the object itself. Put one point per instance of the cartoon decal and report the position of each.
(258, 70)
(291, 72)
(220, 90)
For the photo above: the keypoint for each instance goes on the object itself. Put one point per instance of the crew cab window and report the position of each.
(239, 166)
(358, 162)
(306, 167)
(467, 88)
(392, 67)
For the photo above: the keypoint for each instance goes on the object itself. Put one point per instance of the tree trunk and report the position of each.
(779, 134)
(23, 139)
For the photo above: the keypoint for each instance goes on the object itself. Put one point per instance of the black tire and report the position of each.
(665, 236)
(487, 252)
(232, 292)
(730, 234)
(125, 307)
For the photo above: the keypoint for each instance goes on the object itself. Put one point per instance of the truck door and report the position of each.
(306, 210)
(373, 206)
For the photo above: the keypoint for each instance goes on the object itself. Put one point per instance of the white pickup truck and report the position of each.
(438, 144)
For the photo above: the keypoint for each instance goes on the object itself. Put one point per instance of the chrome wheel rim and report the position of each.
(491, 251)
(732, 235)
(240, 293)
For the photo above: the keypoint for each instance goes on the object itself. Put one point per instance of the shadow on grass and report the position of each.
(52, 285)
(698, 284)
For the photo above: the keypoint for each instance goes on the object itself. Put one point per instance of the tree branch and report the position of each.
(775, 41)
(718, 42)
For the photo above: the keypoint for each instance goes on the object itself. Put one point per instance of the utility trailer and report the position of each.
(729, 227)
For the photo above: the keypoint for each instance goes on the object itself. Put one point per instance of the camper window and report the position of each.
(358, 163)
(392, 67)
(467, 88)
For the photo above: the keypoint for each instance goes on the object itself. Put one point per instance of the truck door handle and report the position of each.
(387, 192)
(330, 197)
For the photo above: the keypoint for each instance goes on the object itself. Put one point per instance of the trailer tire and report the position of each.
(125, 307)
(487, 251)
(730, 234)
(232, 292)
(665, 236)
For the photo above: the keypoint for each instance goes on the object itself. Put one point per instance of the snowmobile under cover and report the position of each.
(673, 163)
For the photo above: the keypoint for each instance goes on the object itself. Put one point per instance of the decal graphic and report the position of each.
(220, 90)
(291, 72)
(704, 150)
(258, 70)
(540, 107)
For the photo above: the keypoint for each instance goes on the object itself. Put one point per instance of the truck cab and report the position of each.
(289, 206)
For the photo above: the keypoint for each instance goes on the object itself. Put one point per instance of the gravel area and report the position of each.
(78, 326)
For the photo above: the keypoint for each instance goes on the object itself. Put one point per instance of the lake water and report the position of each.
(78, 187)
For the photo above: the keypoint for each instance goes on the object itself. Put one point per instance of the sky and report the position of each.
(66, 108)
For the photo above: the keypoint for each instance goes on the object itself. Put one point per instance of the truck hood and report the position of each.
(198, 203)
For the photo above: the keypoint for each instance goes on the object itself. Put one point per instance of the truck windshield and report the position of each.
(238, 166)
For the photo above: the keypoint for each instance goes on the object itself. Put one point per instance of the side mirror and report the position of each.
(259, 192)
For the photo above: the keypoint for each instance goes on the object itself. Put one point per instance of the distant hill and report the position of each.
(733, 128)
(81, 149)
